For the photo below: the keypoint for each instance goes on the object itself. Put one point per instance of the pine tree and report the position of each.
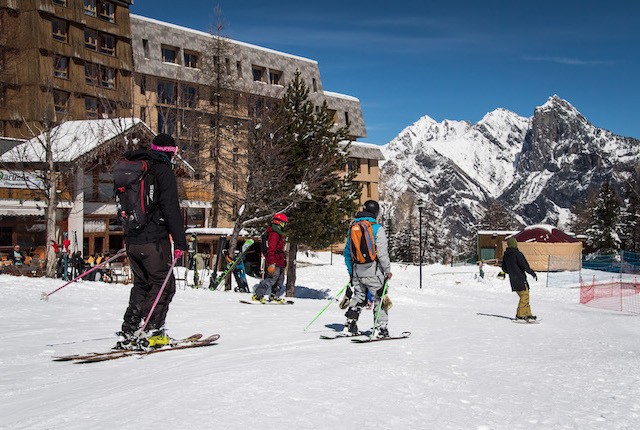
(630, 217)
(318, 157)
(604, 228)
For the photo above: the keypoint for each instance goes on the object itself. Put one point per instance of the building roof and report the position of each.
(543, 233)
(71, 140)
(365, 150)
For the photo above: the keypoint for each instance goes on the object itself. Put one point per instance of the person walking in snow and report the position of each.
(149, 250)
(516, 266)
(367, 276)
(275, 262)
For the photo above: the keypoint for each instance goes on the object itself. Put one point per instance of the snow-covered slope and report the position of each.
(458, 370)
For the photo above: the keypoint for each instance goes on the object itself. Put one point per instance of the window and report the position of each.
(368, 188)
(60, 2)
(91, 39)
(275, 77)
(59, 30)
(169, 55)
(1, 124)
(258, 73)
(145, 47)
(143, 84)
(166, 120)
(60, 101)
(107, 11)
(189, 96)
(107, 44)
(3, 95)
(352, 164)
(236, 154)
(190, 60)
(315, 85)
(90, 107)
(167, 92)
(107, 77)
(91, 73)
(143, 113)
(60, 67)
(227, 63)
(333, 116)
(239, 69)
(346, 118)
(90, 7)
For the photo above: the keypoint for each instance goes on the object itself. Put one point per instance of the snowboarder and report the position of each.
(516, 266)
(275, 262)
(149, 250)
(367, 274)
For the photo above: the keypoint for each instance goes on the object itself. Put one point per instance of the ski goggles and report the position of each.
(169, 149)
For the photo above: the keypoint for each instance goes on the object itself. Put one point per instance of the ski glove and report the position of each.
(177, 254)
(271, 269)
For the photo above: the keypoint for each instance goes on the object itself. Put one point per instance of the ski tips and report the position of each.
(44, 297)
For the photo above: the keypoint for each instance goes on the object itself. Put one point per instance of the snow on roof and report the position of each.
(70, 140)
(341, 96)
(204, 33)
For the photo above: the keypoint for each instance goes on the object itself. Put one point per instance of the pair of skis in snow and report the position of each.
(193, 341)
(364, 337)
(216, 282)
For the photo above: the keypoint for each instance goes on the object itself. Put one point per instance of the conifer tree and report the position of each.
(318, 153)
(603, 231)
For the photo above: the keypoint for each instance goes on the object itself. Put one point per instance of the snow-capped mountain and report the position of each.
(539, 167)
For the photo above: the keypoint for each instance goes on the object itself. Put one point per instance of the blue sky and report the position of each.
(447, 59)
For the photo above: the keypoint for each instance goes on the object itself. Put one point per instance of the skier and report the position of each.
(368, 276)
(515, 265)
(149, 250)
(275, 262)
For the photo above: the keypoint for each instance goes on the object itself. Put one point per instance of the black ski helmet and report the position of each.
(372, 207)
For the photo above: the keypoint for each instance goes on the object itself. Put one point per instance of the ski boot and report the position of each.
(278, 300)
(126, 340)
(258, 299)
(351, 327)
(383, 331)
(153, 339)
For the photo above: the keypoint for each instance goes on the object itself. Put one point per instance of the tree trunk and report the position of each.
(291, 269)
(52, 203)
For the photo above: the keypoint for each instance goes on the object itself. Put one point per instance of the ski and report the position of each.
(341, 334)
(403, 335)
(536, 321)
(208, 341)
(174, 342)
(215, 283)
(497, 316)
(249, 302)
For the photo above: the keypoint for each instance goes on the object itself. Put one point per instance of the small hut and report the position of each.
(547, 248)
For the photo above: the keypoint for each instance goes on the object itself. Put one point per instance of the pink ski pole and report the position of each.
(164, 284)
(45, 296)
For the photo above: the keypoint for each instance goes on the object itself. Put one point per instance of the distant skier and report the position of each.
(515, 265)
(275, 262)
(369, 266)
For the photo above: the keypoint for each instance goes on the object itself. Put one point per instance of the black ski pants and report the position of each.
(150, 264)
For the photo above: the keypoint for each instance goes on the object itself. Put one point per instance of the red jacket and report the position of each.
(275, 249)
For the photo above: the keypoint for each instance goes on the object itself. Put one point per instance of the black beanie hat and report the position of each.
(164, 140)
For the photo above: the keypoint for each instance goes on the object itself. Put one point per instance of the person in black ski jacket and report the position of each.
(149, 250)
(516, 266)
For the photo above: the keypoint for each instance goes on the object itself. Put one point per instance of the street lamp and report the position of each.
(421, 205)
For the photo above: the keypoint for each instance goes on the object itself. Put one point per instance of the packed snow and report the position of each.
(577, 369)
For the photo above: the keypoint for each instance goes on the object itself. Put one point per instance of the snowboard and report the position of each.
(251, 302)
(403, 335)
(188, 342)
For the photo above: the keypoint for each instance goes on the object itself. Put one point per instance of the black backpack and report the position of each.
(135, 193)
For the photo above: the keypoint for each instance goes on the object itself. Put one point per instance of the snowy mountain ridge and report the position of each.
(539, 167)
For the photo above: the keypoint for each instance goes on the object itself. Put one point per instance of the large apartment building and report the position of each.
(63, 59)
(86, 59)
